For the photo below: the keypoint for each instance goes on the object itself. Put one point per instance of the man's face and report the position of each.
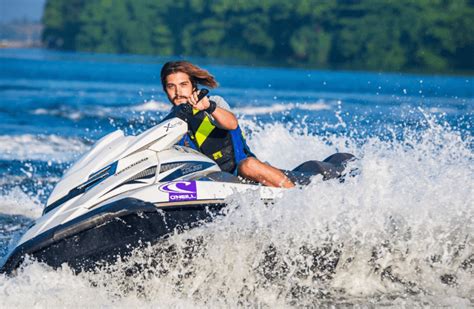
(178, 87)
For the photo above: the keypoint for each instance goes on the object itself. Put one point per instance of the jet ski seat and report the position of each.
(330, 168)
(224, 177)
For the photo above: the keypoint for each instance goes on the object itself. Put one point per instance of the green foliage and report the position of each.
(61, 23)
(430, 35)
(310, 45)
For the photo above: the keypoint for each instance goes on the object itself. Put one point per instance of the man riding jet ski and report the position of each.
(128, 191)
(213, 128)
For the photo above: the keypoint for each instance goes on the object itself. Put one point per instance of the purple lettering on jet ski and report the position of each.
(180, 191)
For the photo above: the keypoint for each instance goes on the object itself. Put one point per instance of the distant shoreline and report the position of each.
(21, 34)
(20, 44)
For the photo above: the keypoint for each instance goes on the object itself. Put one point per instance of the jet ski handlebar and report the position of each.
(186, 110)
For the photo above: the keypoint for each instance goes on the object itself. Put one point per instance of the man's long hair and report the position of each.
(197, 75)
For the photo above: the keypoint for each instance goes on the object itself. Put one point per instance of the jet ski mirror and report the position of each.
(185, 111)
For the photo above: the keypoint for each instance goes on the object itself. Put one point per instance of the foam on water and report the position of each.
(17, 202)
(17, 212)
(278, 108)
(400, 233)
(69, 113)
(152, 105)
(41, 147)
(102, 112)
(41, 287)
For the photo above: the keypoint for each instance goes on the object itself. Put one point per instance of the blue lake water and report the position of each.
(405, 224)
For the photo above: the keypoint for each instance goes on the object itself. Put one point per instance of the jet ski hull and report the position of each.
(110, 232)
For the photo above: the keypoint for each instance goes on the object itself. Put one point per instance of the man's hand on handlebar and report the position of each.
(198, 100)
(185, 111)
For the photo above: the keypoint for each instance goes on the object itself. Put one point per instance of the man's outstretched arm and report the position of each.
(222, 117)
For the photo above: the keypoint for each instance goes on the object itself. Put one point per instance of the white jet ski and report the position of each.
(128, 191)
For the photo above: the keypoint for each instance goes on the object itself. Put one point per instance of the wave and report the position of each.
(75, 114)
(17, 212)
(278, 108)
(41, 147)
(151, 106)
(17, 202)
(102, 112)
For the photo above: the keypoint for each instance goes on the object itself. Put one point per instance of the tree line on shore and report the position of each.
(404, 35)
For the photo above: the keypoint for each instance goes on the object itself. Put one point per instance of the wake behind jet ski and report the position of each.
(131, 190)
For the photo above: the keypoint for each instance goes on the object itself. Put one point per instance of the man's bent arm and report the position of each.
(225, 119)
(222, 117)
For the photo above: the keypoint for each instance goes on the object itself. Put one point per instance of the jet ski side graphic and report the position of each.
(180, 191)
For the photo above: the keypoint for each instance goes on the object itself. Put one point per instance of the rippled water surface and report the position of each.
(399, 234)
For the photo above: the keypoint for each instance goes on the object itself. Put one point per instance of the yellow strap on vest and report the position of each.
(203, 131)
(195, 111)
